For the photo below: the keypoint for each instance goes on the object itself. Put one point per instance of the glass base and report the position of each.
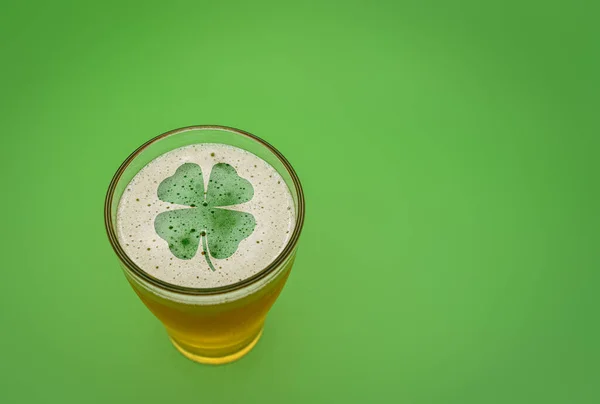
(208, 360)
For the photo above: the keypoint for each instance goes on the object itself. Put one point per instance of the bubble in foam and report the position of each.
(219, 215)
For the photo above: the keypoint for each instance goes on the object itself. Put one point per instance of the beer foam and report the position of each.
(205, 215)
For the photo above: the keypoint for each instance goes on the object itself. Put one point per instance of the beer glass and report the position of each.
(219, 324)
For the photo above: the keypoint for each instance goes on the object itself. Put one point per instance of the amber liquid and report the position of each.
(217, 333)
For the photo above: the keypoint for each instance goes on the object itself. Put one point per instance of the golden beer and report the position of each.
(214, 333)
(207, 250)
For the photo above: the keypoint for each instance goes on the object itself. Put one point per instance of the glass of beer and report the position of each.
(205, 221)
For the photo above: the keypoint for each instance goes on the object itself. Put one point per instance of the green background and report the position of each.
(449, 154)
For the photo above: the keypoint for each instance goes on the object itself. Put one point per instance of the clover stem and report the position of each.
(206, 255)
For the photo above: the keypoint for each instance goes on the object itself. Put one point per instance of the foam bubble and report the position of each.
(205, 215)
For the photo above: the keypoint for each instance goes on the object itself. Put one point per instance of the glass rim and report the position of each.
(136, 270)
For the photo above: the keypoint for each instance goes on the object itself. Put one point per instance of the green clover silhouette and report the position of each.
(221, 230)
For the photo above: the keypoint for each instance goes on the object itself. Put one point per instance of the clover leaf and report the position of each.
(220, 230)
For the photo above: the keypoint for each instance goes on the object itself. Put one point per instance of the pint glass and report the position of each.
(216, 324)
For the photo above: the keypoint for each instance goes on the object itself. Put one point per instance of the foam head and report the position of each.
(205, 215)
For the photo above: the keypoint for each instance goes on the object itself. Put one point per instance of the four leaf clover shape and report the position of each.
(206, 219)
